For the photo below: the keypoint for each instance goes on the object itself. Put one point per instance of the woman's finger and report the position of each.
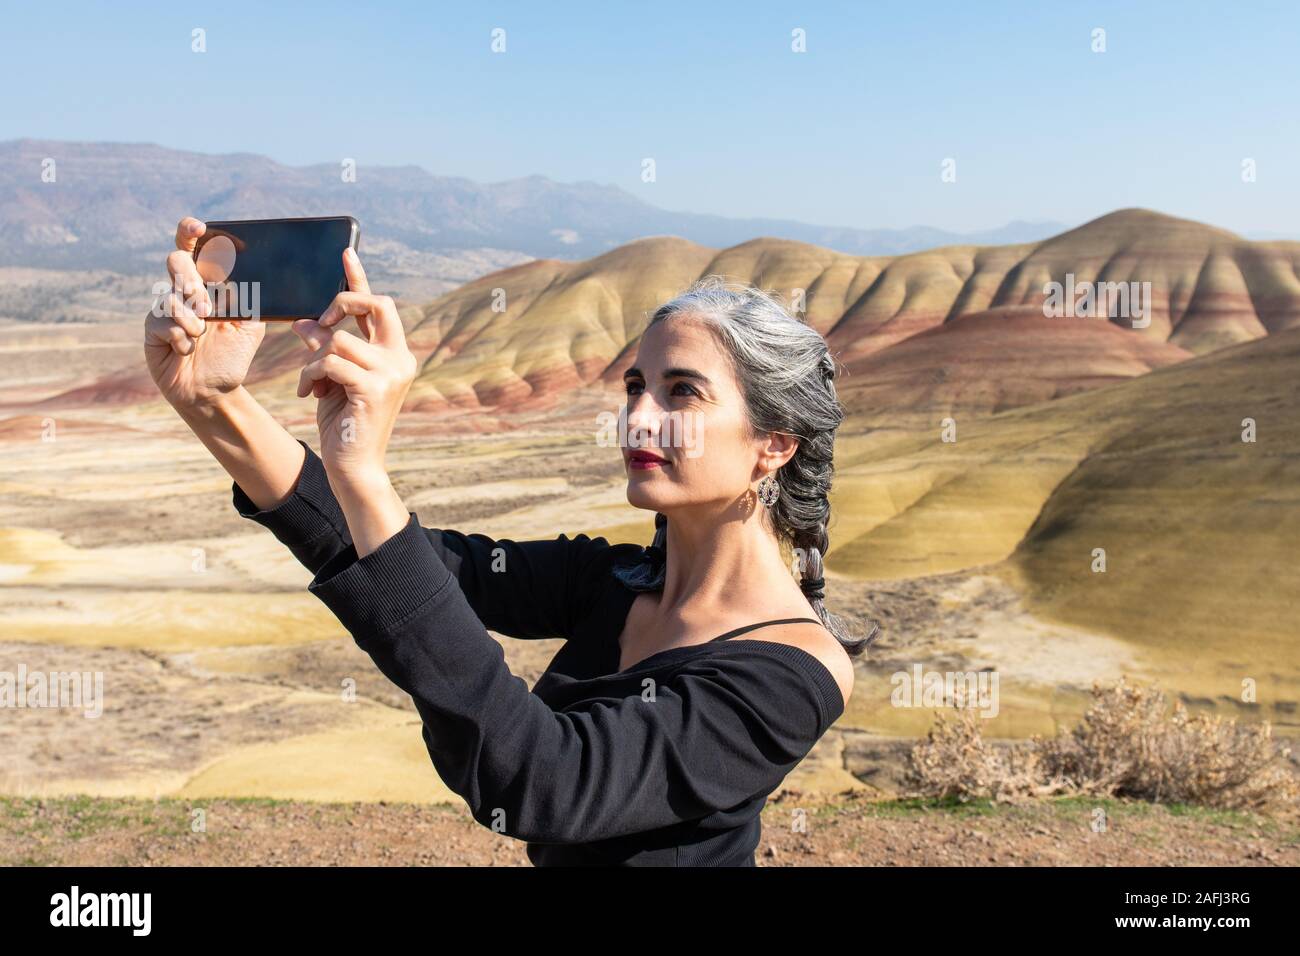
(184, 270)
(387, 325)
(357, 281)
(186, 280)
(160, 330)
(335, 368)
(175, 308)
(341, 342)
(188, 232)
(312, 335)
(181, 343)
(348, 303)
(376, 316)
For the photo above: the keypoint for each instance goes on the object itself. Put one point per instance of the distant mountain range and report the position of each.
(114, 206)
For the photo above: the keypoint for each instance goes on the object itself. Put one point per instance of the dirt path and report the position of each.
(798, 830)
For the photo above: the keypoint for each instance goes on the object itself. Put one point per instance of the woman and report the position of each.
(651, 739)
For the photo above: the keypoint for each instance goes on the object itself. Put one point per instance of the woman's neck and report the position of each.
(721, 563)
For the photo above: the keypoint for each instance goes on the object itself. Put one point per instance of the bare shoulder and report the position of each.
(821, 644)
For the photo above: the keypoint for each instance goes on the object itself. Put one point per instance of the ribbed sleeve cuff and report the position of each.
(312, 509)
(373, 594)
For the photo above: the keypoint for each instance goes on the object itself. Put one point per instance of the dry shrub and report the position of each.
(955, 761)
(1124, 746)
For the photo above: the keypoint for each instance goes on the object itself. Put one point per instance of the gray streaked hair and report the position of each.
(786, 376)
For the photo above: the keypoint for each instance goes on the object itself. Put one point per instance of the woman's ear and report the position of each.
(777, 448)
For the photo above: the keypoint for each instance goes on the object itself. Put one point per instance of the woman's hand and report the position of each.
(359, 384)
(192, 361)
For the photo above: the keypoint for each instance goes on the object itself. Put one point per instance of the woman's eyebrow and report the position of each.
(635, 372)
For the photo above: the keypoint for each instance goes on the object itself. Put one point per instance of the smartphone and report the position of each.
(275, 269)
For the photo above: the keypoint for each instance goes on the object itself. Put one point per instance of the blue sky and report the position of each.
(853, 132)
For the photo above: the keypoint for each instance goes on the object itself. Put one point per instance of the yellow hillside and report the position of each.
(1199, 528)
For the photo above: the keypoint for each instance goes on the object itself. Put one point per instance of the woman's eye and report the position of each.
(634, 387)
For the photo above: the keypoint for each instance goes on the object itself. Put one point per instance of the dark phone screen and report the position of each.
(274, 268)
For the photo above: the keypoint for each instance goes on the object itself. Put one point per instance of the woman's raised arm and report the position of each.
(309, 521)
(199, 368)
(525, 589)
(344, 499)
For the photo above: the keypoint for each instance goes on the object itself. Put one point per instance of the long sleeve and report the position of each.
(718, 731)
(310, 522)
(524, 589)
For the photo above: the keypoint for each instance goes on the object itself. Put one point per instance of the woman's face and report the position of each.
(685, 411)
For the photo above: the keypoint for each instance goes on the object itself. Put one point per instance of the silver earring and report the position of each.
(768, 491)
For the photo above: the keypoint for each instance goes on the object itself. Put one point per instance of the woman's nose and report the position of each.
(642, 421)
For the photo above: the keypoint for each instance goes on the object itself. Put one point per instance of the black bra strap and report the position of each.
(750, 627)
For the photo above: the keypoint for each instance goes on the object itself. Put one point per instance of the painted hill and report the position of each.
(1198, 526)
(999, 359)
(572, 324)
(956, 328)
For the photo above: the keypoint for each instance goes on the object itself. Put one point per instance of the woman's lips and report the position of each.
(644, 461)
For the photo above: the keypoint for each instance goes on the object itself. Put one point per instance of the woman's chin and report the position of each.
(639, 497)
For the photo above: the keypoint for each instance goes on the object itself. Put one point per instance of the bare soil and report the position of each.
(799, 830)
